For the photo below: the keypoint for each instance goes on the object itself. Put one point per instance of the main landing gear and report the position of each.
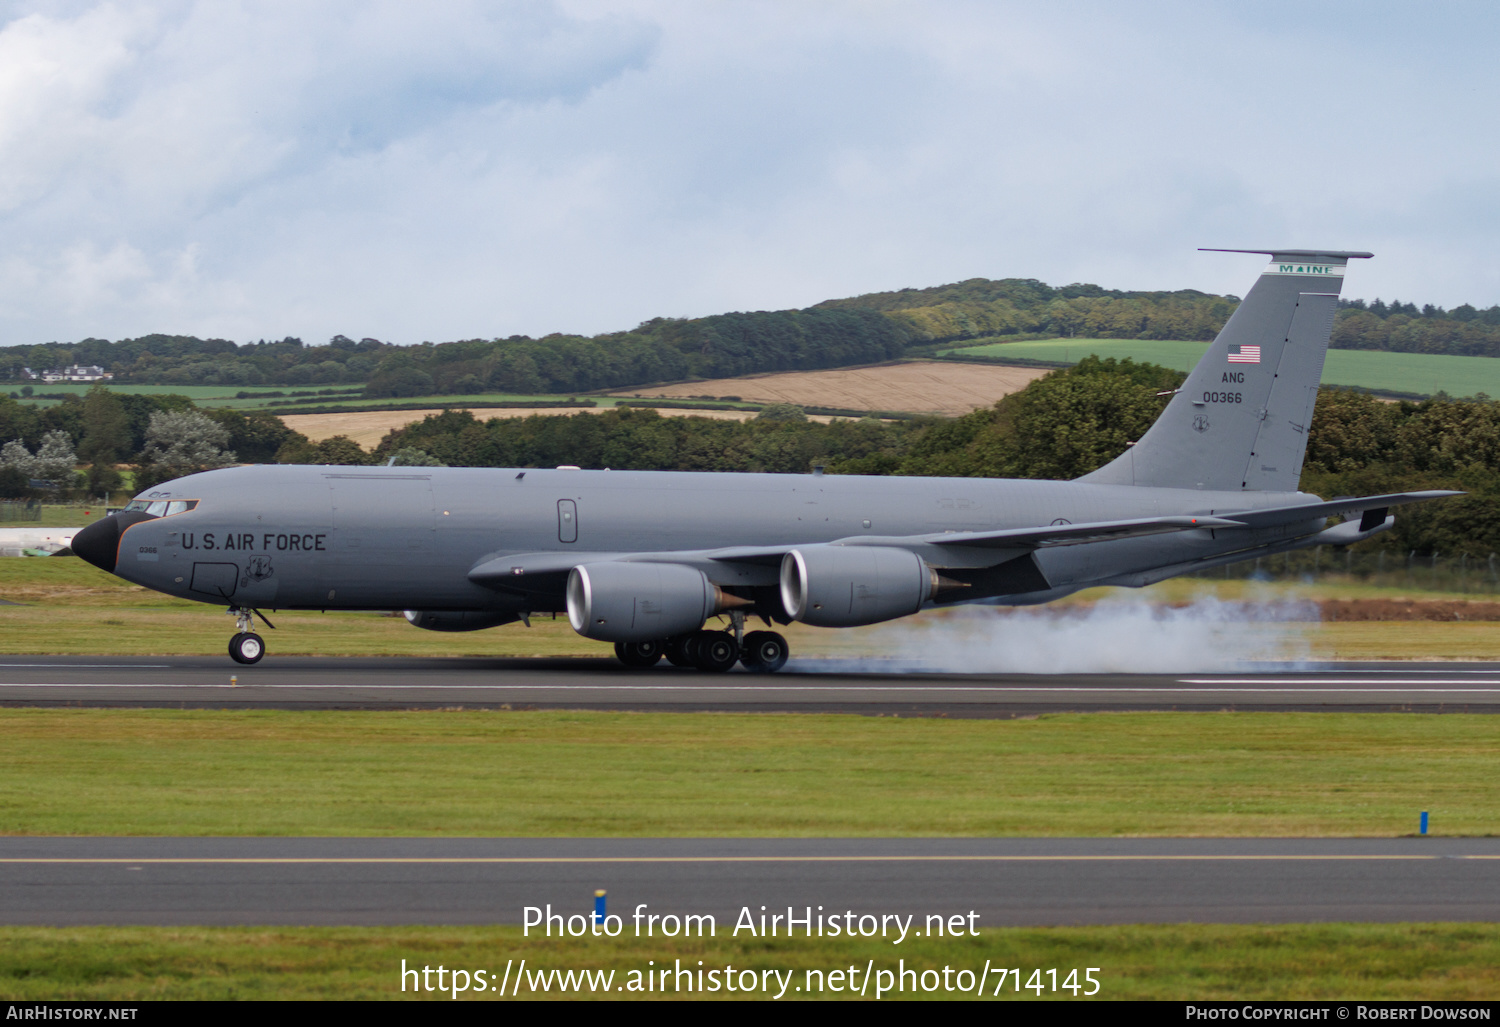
(246, 646)
(761, 652)
(639, 654)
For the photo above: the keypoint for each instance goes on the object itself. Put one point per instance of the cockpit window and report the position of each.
(162, 507)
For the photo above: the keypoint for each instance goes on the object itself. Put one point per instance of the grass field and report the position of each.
(203, 395)
(357, 400)
(1187, 961)
(602, 774)
(198, 393)
(1420, 373)
(224, 395)
(58, 515)
(154, 628)
(65, 606)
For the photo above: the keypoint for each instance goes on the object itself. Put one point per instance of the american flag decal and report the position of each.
(1246, 355)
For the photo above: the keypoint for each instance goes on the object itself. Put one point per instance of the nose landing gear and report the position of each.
(246, 646)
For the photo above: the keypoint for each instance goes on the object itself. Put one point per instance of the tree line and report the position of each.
(154, 437)
(1062, 425)
(1403, 328)
(663, 349)
(984, 308)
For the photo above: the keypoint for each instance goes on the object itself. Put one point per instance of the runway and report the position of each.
(1006, 882)
(805, 686)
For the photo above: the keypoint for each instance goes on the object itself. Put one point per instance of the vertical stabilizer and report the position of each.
(1240, 420)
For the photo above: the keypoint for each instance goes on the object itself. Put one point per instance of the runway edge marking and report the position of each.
(500, 860)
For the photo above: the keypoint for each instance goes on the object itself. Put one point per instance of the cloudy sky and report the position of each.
(437, 170)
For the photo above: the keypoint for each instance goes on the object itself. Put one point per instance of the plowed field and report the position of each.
(918, 387)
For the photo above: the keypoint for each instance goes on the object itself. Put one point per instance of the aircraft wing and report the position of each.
(1005, 538)
(532, 571)
(545, 571)
(528, 571)
(1372, 509)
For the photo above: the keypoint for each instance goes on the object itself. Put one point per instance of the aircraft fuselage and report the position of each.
(298, 537)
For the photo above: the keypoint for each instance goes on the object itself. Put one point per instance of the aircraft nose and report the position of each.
(99, 543)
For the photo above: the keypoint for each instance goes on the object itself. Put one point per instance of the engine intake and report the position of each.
(642, 602)
(846, 586)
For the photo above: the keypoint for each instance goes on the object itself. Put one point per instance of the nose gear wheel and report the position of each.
(246, 647)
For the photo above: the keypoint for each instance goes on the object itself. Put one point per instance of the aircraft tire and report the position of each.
(247, 647)
(714, 651)
(765, 652)
(639, 654)
(679, 650)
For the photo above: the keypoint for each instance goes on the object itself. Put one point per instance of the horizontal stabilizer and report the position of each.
(1296, 254)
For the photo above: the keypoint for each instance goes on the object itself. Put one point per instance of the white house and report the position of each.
(74, 373)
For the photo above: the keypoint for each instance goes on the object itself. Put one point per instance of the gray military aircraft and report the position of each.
(644, 559)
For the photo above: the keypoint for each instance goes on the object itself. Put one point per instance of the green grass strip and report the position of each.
(512, 773)
(1199, 962)
(1407, 373)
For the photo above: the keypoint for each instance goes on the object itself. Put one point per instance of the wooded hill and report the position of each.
(981, 308)
(837, 333)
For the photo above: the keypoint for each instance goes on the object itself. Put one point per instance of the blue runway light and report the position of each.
(599, 894)
(1424, 821)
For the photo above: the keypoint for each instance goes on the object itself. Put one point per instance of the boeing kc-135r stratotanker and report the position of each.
(644, 559)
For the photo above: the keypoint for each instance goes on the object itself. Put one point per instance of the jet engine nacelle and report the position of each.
(642, 602)
(457, 620)
(845, 586)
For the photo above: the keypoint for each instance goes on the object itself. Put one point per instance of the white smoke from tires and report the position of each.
(1127, 635)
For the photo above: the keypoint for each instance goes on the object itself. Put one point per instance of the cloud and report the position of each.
(478, 169)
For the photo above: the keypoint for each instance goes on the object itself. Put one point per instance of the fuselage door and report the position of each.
(567, 520)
